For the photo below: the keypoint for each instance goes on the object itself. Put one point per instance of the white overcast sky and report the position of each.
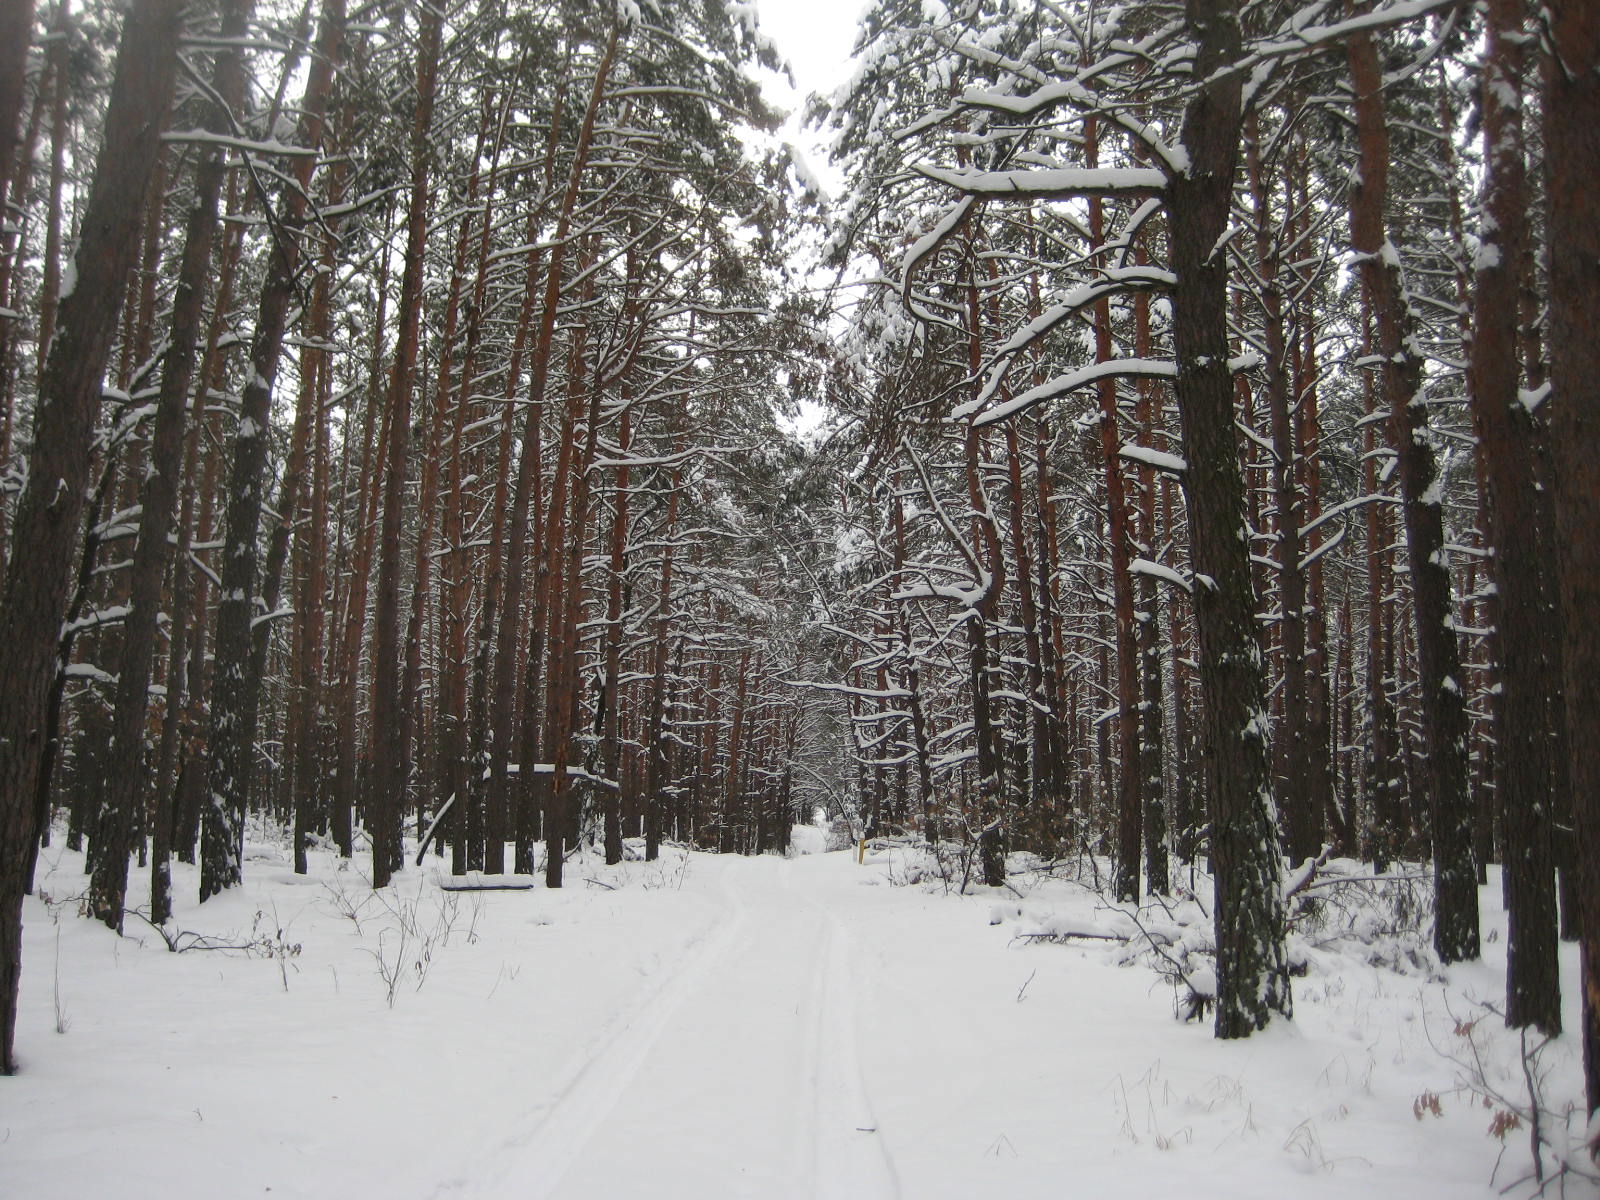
(816, 37)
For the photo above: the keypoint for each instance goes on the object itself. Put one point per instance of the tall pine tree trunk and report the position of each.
(232, 732)
(1252, 972)
(125, 773)
(611, 695)
(16, 35)
(311, 574)
(1441, 699)
(564, 544)
(1293, 749)
(49, 514)
(386, 804)
(1152, 709)
(1572, 150)
(500, 728)
(1505, 448)
(658, 719)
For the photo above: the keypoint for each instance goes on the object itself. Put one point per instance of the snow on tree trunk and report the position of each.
(1506, 452)
(386, 803)
(1252, 972)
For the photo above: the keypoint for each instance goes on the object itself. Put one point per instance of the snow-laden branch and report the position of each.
(925, 246)
(1303, 34)
(1061, 385)
(1155, 570)
(1318, 37)
(1111, 282)
(204, 137)
(1052, 183)
(114, 615)
(570, 772)
(966, 597)
(1172, 464)
(1339, 510)
(1075, 90)
(892, 693)
(1070, 91)
(277, 614)
(985, 578)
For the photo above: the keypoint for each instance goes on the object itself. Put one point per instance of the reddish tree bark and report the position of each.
(16, 35)
(386, 804)
(60, 45)
(1119, 539)
(231, 741)
(562, 597)
(306, 709)
(658, 720)
(1292, 750)
(513, 568)
(1438, 658)
(351, 593)
(611, 692)
(989, 571)
(1505, 449)
(1152, 719)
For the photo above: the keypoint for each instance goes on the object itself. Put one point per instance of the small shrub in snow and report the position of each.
(1508, 1071)
(274, 944)
(668, 871)
(1338, 912)
(350, 904)
(407, 943)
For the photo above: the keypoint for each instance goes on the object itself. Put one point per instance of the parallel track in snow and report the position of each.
(849, 1154)
(542, 1157)
(581, 1107)
(739, 1075)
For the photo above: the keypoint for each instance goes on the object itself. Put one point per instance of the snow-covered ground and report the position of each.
(716, 1027)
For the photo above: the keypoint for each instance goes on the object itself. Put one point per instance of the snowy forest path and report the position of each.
(835, 1025)
(738, 1076)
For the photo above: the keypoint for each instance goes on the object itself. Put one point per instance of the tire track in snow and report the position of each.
(581, 1105)
(851, 1158)
(845, 1155)
(811, 1015)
